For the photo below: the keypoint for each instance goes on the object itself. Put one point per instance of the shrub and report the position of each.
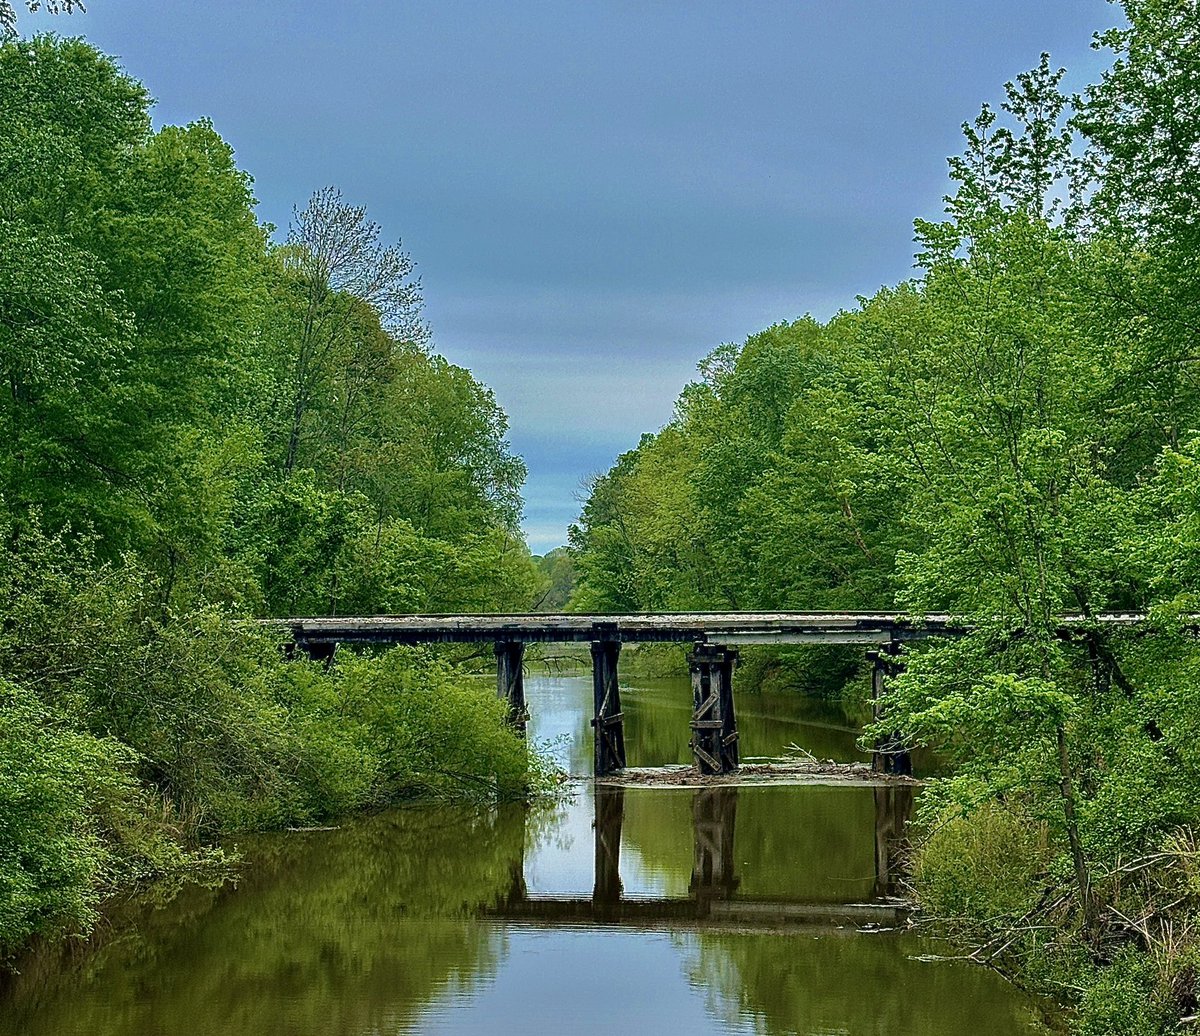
(1125, 999)
(980, 865)
(74, 825)
(432, 730)
(128, 732)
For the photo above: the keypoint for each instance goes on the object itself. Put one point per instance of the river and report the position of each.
(679, 911)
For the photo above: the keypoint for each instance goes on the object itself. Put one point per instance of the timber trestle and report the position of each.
(608, 721)
(714, 728)
(714, 637)
(510, 681)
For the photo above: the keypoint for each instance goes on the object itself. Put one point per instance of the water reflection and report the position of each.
(657, 713)
(338, 932)
(714, 910)
(712, 892)
(714, 816)
(893, 807)
(610, 812)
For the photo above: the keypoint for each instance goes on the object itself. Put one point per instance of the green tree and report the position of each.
(334, 265)
(8, 13)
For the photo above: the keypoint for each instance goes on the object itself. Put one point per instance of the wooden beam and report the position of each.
(889, 754)
(867, 628)
(510, 681)
(714, 729)
(729, 731)
(608, 722)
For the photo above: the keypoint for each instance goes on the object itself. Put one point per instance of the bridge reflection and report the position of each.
(713, 892)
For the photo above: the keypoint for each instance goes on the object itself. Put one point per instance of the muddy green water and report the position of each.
(621, 911)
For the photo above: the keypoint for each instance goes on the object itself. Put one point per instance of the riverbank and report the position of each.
(131, 743)
(722, 909)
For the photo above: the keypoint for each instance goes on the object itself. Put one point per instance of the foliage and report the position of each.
(982, 867)
(8, 14)
(1010, 437)
(191, 391)
(1124, 1001)
(557, 574)
(126, 734)
(74, 824)
(201, 427)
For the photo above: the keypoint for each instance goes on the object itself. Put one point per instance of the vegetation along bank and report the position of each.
(1010, 435)
(203, 424)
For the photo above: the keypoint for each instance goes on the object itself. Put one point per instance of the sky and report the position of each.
(597, 194)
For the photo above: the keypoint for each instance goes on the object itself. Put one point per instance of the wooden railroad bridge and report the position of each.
(715, 638)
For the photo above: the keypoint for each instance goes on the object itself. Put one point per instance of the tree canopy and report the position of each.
(199, 425)
(1009, 436)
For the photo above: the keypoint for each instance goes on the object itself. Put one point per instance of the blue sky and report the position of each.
(599, 193)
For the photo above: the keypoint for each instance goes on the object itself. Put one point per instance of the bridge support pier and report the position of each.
(510, 681)
(609, 722)
(889, 755)
(714, 726)
(320, 651)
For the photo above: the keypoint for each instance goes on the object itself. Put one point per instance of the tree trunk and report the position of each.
(1082, 879)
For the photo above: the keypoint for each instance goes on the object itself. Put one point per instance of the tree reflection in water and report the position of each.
(338, 932)
(431, 919)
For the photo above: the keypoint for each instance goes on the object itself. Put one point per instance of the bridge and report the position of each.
(714, 636)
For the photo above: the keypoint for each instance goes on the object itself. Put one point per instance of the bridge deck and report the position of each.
(730, 628)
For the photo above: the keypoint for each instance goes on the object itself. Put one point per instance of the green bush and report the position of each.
(74, 824)
(432, 731)
(980, 865)
(128, 733)
(1126, 999)
(52, 856)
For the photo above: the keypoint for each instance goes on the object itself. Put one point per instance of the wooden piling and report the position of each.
(889, 755)
(729, 731)
(609, 722)
(714, 727)
(510, 681)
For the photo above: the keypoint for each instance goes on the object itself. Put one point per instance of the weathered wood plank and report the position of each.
(867, 628)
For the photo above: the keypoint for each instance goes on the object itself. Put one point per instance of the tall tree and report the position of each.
(334, 263)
